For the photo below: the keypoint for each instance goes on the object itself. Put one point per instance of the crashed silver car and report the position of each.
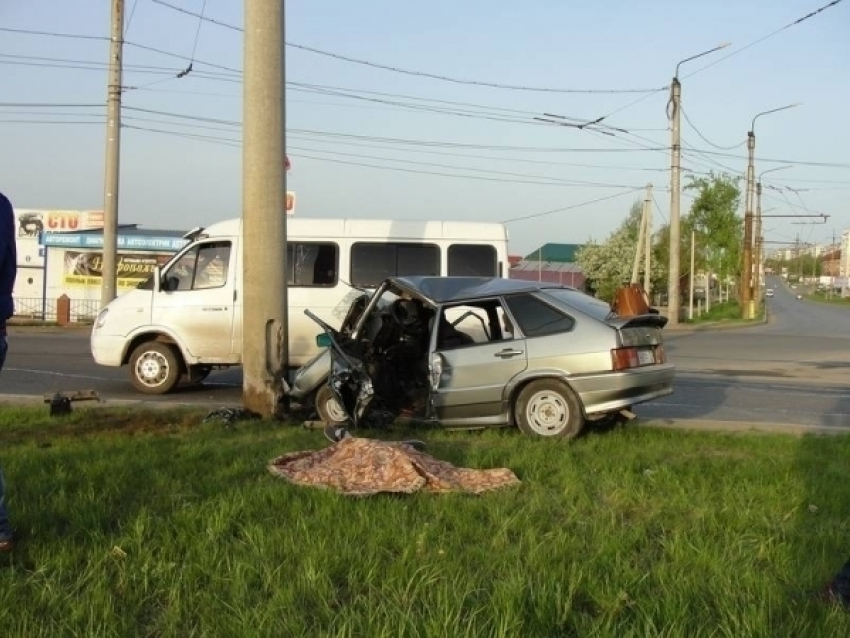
(475, 352)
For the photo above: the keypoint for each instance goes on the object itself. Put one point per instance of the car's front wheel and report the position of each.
(155, 367)
(548, 408)
(329, 409)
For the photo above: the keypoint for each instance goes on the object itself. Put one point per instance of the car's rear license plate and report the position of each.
(646, 357)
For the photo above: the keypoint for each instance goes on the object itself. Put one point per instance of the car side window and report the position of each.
(536, 318)
(475, 323)
(213, 262)
(204, 266)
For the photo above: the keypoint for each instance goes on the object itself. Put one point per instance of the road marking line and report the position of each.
(60, 374)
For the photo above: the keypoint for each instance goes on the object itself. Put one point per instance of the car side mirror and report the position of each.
(323, 340)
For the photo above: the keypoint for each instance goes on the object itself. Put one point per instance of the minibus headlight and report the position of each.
(101, 318)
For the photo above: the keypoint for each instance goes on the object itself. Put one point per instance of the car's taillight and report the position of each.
(660, 355)
(624, 358)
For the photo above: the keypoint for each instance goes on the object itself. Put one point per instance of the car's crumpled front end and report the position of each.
(350, 383)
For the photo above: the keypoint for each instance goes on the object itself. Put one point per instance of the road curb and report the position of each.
(741, 427)
(37, 399)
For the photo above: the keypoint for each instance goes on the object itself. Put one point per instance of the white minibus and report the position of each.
(191, 323)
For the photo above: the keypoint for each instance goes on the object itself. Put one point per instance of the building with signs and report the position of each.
(30, 224)
(70, 263)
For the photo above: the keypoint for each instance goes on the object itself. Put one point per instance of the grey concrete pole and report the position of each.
(691, 292)
(109, 269)
(747, 275)
(675, 198)
(263, 209)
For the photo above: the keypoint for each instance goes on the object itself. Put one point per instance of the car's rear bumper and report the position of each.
(617, 390)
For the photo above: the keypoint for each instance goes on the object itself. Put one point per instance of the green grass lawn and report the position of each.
(726, 312)
(829, 298)
(153, 523)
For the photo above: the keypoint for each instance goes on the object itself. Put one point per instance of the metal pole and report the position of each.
(540, 264)
(691, 294)
(675, 166)
(647, 280)
(264, 209)
(747, 274)
(109, 270)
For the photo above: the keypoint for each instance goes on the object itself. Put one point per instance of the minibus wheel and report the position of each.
(155, 367)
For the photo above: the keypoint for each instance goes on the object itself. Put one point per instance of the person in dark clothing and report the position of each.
(8, 271)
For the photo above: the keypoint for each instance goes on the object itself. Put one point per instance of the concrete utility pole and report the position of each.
(747, 304)
(691, 293)
(747, 270)
(759, 240)
(674, 115)
(264, 347)
(675, 200)
(639, 246)
(647, 279)
(109, 269)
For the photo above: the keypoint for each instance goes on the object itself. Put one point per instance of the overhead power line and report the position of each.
(572, 206)
(130, 19)
(417, 73)
(55, 34)
(704, 138)
(725, 57)
(658, 208)
(809, 15)
(48, 105)
(777, 161)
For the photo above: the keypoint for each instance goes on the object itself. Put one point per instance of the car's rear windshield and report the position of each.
(582, 302)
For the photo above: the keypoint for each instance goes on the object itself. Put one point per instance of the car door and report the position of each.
(196, 301)
(478, 354)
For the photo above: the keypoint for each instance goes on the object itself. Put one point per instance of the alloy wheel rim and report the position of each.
(152, 369)
(547, 413)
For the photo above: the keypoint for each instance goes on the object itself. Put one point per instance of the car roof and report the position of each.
(447, 289)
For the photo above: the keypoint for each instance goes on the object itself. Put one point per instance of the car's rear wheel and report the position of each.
(155, 367)
(329, 409)
(548, 408)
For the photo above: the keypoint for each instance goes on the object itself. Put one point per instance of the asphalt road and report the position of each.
(791, 371)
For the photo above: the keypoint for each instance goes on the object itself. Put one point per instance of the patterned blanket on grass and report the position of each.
(361, 467)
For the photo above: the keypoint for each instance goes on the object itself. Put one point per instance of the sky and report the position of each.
(368, 141)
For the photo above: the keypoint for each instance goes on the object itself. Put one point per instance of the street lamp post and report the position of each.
(674, 115)
(747, 304)
(759, 240)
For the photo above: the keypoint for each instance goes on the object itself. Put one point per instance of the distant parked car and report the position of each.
(769, 292)
(473, 352)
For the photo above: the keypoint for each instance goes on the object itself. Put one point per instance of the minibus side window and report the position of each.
(472, 260)
(371, 263)
(312, 264)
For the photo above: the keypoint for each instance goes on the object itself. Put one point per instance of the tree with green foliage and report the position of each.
(719, 228)
(608, 265)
